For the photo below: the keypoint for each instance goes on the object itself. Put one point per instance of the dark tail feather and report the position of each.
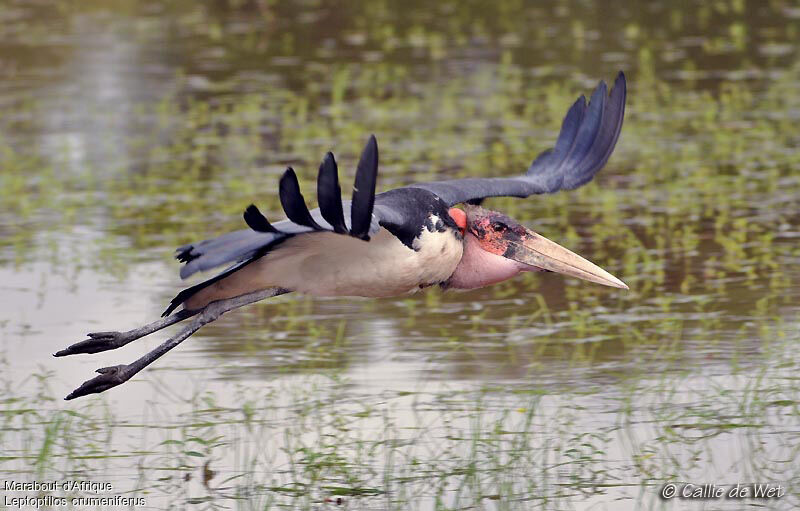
(364, 190)
(329, 194)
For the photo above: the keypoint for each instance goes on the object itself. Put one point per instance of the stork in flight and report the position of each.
(382, 245)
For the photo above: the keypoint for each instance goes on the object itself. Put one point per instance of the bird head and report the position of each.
(497, 247)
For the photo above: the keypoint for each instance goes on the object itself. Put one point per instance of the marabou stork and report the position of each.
(382, 245)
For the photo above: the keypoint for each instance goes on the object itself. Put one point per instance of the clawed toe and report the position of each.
(103, 335)
(97, 342)
(109, 377)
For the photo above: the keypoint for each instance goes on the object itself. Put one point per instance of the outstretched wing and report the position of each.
(354, 218)
(587, 138)
(351, 218)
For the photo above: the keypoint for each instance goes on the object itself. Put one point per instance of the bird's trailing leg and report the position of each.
(104, 341)
(116, 375)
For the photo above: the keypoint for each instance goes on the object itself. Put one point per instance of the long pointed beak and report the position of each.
(536, 250)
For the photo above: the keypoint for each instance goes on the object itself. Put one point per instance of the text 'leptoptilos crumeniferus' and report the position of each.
(382, 245)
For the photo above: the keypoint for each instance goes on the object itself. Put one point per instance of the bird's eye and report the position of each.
(498, 225)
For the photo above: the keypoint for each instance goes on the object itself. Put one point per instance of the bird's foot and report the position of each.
(97, 342)
(109, 377)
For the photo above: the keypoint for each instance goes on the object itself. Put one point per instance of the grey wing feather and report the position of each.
(228, 248)
(237, 246)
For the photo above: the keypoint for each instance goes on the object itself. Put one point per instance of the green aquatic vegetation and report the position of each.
(538, 393)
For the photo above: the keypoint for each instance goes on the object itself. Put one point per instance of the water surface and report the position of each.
(126, 132)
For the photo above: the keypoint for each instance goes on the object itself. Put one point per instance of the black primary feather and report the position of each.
(608, 133)
(364, 190)
(329, 194)
(294, 205)
(587, 138)
(257, 221)
(575, 167)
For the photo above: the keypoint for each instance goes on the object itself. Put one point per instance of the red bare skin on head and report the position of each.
(488, 243)
(495, 231)
(490, 238)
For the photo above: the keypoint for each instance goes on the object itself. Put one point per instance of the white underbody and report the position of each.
(328, 264)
